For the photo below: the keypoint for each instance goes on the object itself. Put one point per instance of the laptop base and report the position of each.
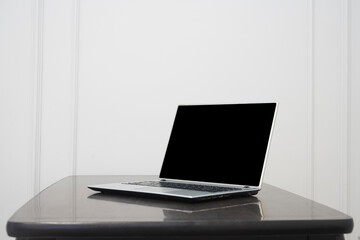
(161, 195)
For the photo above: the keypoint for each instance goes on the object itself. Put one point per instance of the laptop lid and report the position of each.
(225, 143)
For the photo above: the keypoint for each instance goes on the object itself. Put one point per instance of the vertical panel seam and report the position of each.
(34, 79)
(76, 85)
(349, 106)
(38, 93)
(344, 111)
(311, 85)
(347, 170)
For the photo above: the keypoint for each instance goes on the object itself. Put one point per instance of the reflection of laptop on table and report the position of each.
(248, 208)
(214, 151)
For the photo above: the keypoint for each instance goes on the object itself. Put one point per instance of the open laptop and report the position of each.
(214, 151)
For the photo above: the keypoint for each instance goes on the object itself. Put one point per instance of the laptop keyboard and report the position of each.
(197, 187)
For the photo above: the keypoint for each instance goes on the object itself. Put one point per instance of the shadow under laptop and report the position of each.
(237, 208)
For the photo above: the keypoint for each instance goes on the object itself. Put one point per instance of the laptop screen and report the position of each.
(219, 143)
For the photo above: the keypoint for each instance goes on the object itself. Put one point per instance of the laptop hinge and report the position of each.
(204, 183)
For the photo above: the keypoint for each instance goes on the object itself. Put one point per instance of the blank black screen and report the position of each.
(219, 143)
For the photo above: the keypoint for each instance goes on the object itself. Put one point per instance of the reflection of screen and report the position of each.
(244, 212)
(219, 143)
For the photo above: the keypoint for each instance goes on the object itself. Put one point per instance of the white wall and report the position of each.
(91, 87)
(353, 196)
(16, 106)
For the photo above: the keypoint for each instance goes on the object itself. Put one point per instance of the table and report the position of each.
(68, 210)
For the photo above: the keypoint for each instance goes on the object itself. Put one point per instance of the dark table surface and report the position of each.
(68, 209)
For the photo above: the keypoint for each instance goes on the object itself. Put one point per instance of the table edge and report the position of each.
(139, 229)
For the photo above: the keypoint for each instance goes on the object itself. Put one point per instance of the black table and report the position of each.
(69, 210)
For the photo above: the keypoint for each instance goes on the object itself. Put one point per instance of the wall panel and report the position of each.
(354, 93)
(57, 91)
(17, 40)
(330, 117)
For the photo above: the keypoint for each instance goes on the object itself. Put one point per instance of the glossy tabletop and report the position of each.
(68, 209)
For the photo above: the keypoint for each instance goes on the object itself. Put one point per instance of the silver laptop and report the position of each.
(214, 151)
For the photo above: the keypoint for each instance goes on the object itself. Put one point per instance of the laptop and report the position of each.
(214, 151)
